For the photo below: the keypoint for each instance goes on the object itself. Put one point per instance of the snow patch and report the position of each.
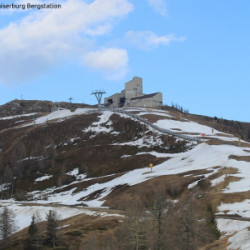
(218, 180)
(74, 172)
(125, 156)
(5, 186)
(185, 126)
(240, 208)
(97, 127)
(156, 154)
(45, 177)
(16, 116)
(60, 114)
(239, 236)
(241, 240)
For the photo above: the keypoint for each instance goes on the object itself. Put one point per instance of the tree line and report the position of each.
(166, 224)
(37, 238)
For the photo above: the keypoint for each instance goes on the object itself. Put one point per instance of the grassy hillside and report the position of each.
(92, 167)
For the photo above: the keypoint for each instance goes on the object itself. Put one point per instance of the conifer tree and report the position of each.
(7, 224)
(52, 220)
(33, 227)
(34, 238)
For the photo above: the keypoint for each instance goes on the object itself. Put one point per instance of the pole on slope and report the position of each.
(98, 94)
(70, 101)
(151, 166)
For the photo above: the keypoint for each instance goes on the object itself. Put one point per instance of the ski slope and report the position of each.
(201, 156)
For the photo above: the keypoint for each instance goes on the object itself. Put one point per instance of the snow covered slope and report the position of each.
(213, 158)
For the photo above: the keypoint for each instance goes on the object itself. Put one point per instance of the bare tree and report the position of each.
(188, 225)
(6, 179)
(135, 224)
(18, 155)
(160, 211)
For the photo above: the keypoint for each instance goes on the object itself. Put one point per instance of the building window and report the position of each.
(122, 101)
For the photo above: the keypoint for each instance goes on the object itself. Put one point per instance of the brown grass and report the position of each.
(221, 142)
(216, 245)
(84, 184)
(240, 158)
(173, 185)
(78, 230)
(154, 118)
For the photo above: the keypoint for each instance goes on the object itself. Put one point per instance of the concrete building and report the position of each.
(132, 96)
(133, 88)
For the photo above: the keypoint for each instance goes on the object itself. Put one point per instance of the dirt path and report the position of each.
(232, 217)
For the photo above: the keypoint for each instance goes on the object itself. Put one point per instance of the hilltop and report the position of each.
(19, 107)
(92, 166)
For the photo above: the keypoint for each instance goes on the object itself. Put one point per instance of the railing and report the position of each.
(163, 130)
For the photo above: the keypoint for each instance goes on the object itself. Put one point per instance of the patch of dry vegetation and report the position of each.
(73, 233)
(215, 194)
(154, 117)
(221, 142)
(124, 194)
(240, 158)
(217, 244)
